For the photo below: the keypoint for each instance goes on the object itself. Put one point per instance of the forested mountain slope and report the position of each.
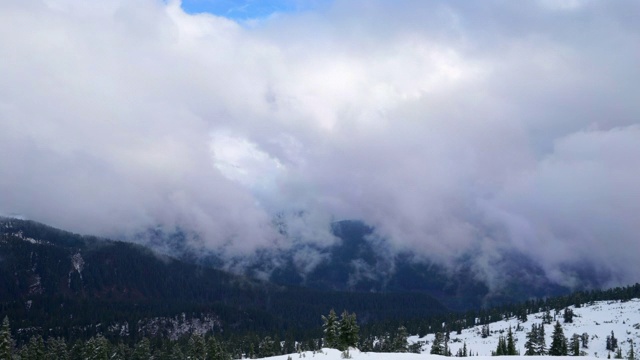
(67, 284)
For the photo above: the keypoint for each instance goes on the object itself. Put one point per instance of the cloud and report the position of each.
(449, 127)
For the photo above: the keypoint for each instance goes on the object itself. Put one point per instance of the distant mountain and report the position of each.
(57, 282)
(356, 264)
(361, 262)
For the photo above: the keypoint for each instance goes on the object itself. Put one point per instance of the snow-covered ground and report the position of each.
(332, 354)
(597, 320)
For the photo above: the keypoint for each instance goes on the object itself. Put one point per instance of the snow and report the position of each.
(20, 235)
(597, 319)
(332, 354)
(78, 264)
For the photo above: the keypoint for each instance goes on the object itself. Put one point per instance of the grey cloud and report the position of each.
(450, 127)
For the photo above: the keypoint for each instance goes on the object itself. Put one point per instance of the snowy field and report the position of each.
(597, 320)
(332, 354)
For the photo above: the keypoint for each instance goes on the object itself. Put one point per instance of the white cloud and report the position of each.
(436, 122)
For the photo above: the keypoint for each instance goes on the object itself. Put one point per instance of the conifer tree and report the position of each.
(57, 349)
(612, 342)
(6, 341)
(34, 349)
(142, 350)
(574, 345)
(485, 331)
(348, 335)
(501, 350)
(558, 342)
(400, 343)
(176, 353)
(541, 345)
(437, 347)
(631, 355)
(330, 327)
(585, 340)
(568, 315)
(511, 344)
(532, 338)
(536, 343)
(266, 348)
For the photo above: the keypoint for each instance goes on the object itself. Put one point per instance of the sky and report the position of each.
(247, 12)
(452, 127)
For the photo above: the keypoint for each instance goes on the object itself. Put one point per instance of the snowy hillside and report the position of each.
(332, 354)
(598, 320)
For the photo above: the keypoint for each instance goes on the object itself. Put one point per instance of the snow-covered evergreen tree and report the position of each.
(541, 341)
(437, 347)
(330, 327)
(34, 349)
(348, 335)
(400, 343)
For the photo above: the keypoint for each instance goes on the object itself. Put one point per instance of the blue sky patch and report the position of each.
(247, 9)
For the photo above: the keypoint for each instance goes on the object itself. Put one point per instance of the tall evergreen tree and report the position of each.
(437, 347)
(35, 349)
(612, 342)
(631, 355)
(541, 341)
(536, 343)
(511, 344)
(57, 349)
(532, 338)
(574, 345)
(348, 336)
(176, 353)
(215, 350)
(558, 342)
(266, 347)
(142, 350)
(330, 327)
(400, 343)
(501, 349)
(6, 341)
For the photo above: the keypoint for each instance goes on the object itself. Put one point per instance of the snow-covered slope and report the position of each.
(597, 320)
(332, 354)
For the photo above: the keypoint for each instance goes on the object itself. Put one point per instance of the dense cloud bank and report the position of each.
(451, 127)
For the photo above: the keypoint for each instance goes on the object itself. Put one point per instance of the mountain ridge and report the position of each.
(73, 281)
